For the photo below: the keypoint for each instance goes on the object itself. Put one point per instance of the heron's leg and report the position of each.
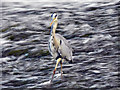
(61, 69)
(58, 60)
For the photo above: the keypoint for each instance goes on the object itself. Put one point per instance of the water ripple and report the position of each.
(92, 30)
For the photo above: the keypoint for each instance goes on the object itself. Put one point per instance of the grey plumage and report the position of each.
(64, 49)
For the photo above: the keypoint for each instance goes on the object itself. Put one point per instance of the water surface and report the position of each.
(91, 28)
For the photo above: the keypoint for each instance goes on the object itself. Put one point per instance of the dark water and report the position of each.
(92, 29)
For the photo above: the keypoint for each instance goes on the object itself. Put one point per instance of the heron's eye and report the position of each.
(55, 15)
(52, 15)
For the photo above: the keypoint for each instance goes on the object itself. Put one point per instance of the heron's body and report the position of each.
(63, 50)
(58, 46)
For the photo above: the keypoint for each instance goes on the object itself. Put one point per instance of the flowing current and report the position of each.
(92, 29)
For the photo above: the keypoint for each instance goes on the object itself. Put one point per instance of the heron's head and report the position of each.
(54, 18)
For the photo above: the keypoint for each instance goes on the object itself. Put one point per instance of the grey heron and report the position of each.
(59, 47)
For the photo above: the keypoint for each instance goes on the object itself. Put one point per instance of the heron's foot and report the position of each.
(51, 81)
(53, 75)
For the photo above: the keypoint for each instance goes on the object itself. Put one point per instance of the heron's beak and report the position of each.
(52, 21)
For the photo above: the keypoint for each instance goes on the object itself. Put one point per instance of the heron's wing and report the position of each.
(65, 48)
(58, 36)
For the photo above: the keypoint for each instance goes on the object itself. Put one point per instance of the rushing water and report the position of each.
(91, 28)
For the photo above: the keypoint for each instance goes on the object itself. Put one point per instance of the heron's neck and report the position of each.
(53, 28)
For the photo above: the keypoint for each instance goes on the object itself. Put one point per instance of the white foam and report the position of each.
(2, 41)
(57, 75)
(45, 83)
(86, 40)
(95, 71)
